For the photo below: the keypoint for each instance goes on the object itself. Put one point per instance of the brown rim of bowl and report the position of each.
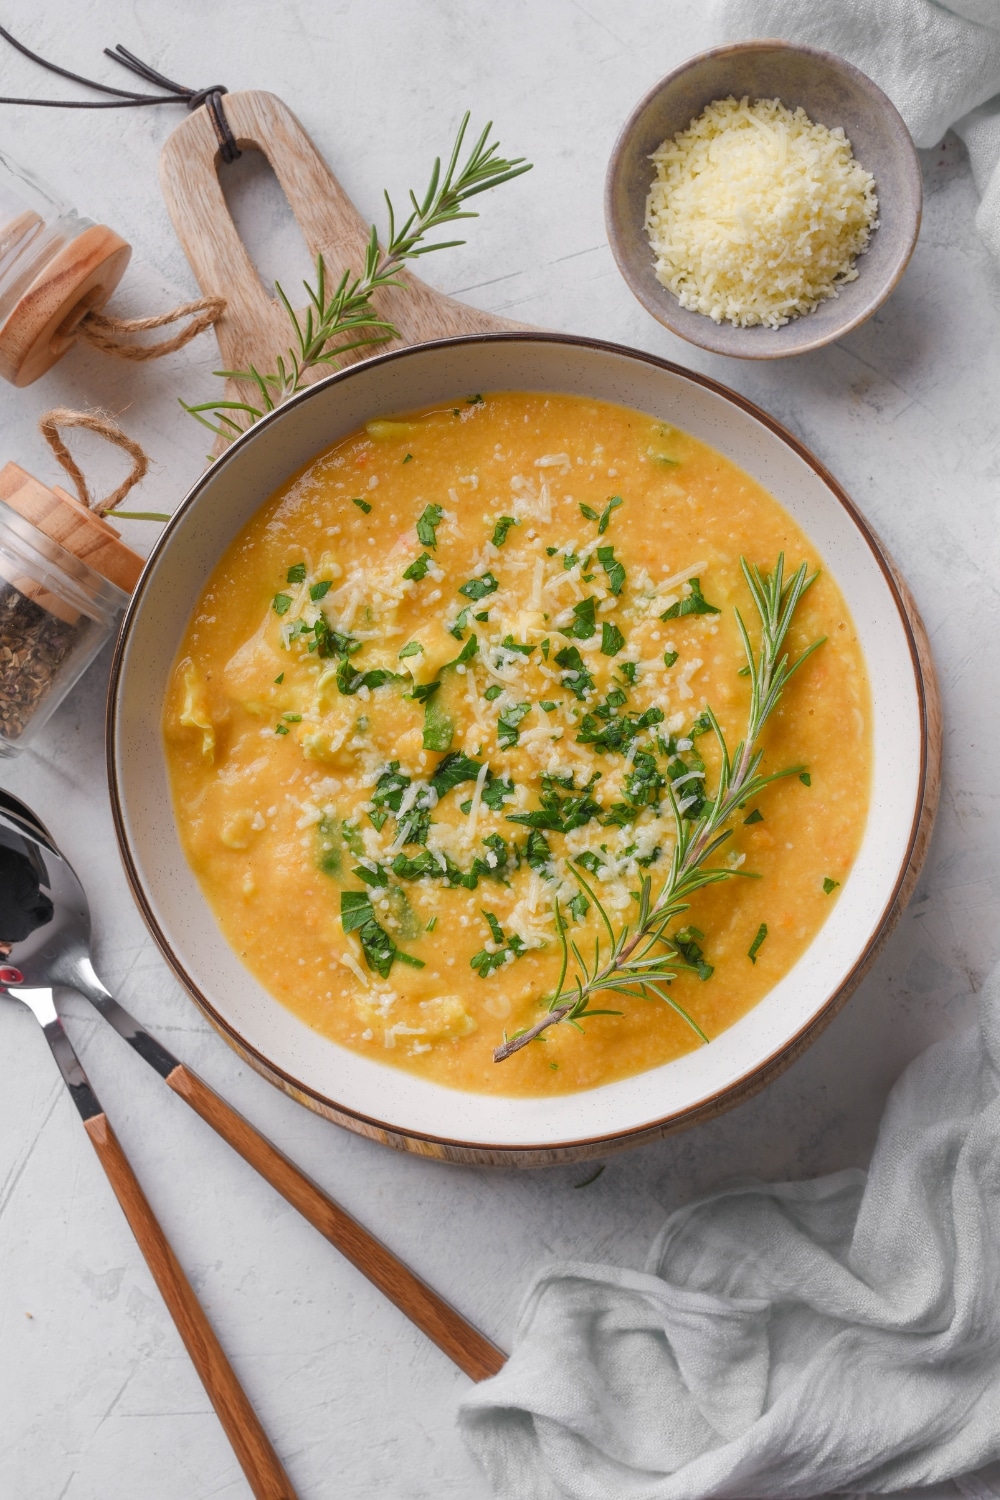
(662, 312)
(740, 1087)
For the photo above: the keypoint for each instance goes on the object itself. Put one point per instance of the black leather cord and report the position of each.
(125, 99)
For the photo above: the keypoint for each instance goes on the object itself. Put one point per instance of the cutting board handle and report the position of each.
(254, 328)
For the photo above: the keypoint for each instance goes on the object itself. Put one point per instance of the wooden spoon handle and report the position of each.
(470, 1350)
(259, 1462)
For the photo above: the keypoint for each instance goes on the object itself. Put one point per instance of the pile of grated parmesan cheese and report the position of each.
(757, 214)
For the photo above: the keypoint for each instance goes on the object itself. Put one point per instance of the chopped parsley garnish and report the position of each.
(619, 731)
(589, 861)
(614, 569)
(418, 569)
(280, 677)
(361, 504)
(669, 657)
(413, 649)
(547, 706)
(281, 728)
(453, 770)
(493, 692)
(701, 725)
(358, 915)
(559, 814)
(460, 624)
(694, 604)
(579, 906)
(688, 944)
(428, 524)
(537, 851)
(509, 948)
(605, 516)
(501, 529)
(431, 925)
(758, 940)
(496, 792)
(281, 603)
(644, 781)
(292, 718)
(612, 639)
(388, 793)
(408, 458)
(509, 644)
(478, 588)
(375, 877)
(320, 590)
(296, 573)
(574, 674)
(805, 778)
(584, 624)
(829, 885)
(613, 503)
(630, 671)
(439, 727)
(755, 817)
(349, 680)
(508, 731)
(545, 647)
(484, 616)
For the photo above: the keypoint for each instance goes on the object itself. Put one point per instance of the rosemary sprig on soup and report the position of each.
(454, 768)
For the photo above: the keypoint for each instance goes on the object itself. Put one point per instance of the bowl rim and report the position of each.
(664, 311)
(746, 1082)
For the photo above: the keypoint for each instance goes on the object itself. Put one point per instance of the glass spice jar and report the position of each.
(55, 614)
(55, 266)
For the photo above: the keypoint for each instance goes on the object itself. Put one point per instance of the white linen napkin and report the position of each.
(940, 67)
(789, 1339)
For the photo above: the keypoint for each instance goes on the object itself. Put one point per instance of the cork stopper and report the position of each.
(43, 323)
(81, 531)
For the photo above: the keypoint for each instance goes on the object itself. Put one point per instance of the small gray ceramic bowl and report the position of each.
(832, 92)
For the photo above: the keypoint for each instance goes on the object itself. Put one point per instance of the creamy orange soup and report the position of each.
(459, 657)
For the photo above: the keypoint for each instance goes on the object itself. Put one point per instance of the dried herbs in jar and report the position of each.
(55, 614)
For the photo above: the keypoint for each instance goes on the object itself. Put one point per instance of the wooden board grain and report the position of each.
(254, 329)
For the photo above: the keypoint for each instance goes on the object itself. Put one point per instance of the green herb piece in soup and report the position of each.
(613, 568)
(281, 603)
(478, 588)
(612, 639)
(296, 573)
(694, 604)
(501, 529)
(756, 944)
(418, 569)
(361, 504)
(428, 524)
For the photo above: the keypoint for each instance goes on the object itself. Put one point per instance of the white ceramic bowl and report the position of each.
(397, 1107)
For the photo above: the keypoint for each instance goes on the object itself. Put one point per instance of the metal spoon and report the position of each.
(28, 863)
(53, 948)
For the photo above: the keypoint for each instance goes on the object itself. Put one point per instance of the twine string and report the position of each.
(112, 334)
(105, 427)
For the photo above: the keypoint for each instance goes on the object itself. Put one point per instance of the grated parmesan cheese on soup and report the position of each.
(756, 213)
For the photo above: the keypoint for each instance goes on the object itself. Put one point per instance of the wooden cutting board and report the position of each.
(254, 329)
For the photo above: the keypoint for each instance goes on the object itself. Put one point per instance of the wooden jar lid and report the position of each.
(81, 531)
(43, 324)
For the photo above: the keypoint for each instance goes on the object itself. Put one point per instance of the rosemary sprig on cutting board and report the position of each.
(641, 960)
(344, 312)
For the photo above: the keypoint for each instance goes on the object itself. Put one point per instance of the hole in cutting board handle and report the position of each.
(265, 223)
